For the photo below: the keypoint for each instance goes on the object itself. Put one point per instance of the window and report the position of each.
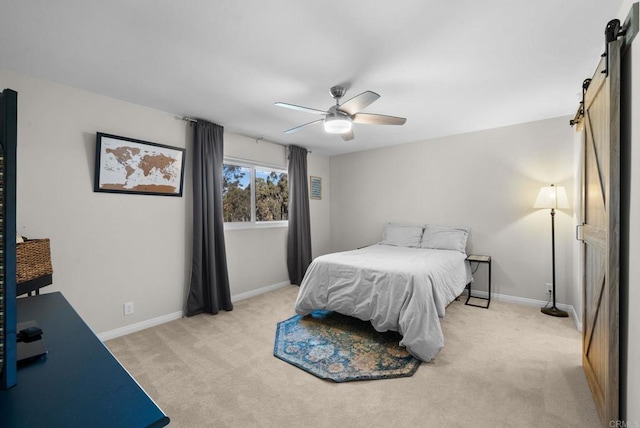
(236, 193)
(254, 194)
(272, 195)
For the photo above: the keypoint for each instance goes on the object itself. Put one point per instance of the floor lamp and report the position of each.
(552, 197)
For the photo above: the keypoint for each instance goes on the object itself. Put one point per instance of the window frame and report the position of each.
(253, 165)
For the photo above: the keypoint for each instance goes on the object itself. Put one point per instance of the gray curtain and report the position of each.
(299, 239)
(209, 288)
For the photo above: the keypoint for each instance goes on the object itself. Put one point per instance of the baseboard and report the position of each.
(123, 331)
(258, 291)
(531, 302)
(112, 334)
(576, 318)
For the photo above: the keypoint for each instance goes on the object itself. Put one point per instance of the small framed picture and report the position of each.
(126, 165)
(315, 186)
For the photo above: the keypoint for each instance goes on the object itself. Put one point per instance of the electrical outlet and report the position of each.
(549, 287)
(128, 308)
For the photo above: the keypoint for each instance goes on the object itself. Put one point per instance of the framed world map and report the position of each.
(126, 165)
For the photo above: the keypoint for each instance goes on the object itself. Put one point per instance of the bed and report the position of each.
(402, 284)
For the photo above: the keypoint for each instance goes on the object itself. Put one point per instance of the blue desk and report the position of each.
(79, 383)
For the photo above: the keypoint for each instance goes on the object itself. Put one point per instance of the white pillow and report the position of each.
(402, 235)
(445, 238)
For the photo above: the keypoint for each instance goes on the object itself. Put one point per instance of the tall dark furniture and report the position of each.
(8, 142)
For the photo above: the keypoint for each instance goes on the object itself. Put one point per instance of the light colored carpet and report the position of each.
(509, 366)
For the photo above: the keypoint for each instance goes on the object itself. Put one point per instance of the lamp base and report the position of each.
(554, 312)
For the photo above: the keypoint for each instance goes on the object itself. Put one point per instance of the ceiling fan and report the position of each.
(340, 117)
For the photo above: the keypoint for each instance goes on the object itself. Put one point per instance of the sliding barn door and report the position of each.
(601, 218)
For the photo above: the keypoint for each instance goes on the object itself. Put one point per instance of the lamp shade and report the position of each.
(552, 197)
(337, 124)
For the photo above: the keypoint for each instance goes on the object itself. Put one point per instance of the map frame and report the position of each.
(104, 140)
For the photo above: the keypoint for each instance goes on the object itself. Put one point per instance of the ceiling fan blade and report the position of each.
(300, 108)
(297, 128)
(347, 135)
(378, 119)
(359, 102)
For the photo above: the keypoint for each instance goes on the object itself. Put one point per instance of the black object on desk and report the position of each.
(480, 259)
(31, 345)
(79, 383)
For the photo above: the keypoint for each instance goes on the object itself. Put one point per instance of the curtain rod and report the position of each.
(192, 120)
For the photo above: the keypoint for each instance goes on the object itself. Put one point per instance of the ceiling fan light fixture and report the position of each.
(339, 118)
(337, 124)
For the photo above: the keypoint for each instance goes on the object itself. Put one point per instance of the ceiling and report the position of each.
(449, 67)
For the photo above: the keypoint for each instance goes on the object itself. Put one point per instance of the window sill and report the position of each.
(258, 225)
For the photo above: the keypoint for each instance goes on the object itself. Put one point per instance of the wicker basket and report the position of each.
(33, 260)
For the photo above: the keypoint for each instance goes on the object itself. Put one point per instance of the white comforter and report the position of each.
(396, 288)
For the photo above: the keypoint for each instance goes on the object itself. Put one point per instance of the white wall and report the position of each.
(633, 355)
(108, 249)
(486, 180)
(631, 384)
(264, 249)
(575, 289)
(319, 209)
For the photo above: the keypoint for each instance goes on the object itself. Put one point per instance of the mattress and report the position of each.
(395, 288)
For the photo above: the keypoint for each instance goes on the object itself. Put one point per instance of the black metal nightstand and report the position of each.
(479, 259)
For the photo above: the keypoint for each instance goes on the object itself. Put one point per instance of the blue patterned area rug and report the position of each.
(341, 348)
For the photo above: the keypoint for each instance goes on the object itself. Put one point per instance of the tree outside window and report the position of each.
(236, 193)
(253, 194)
(272, 195)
